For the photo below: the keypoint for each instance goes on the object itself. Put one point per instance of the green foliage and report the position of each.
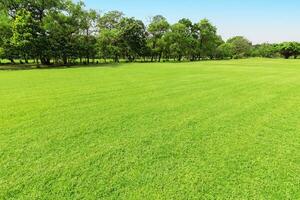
(264, 50)
(71, 33)
(288, 49)
(133, 37)
(28, 26)
(109, 40)
(157, 29)
(5, 24)
(110, 20)
(242, 46)
(209, 40)
(109, 44)
(38, 8)
(178, 40)
(225, 50)
(7, 49)
(2, 53)
(24, 33)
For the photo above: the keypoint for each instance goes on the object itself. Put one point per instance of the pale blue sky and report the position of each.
(258, 20)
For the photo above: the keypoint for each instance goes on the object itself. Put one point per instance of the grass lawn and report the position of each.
(210, 130)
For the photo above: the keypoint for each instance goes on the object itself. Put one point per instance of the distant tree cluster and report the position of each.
(64, 32)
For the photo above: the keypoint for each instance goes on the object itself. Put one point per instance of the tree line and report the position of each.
(65, 32)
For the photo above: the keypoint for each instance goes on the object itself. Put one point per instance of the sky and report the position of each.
(259, 20)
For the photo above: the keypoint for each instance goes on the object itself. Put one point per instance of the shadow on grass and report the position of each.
(9, 66)
(54, 66)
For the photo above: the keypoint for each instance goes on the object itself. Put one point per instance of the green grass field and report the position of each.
(208, 130)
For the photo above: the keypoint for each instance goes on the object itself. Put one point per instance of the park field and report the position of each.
(200, 130)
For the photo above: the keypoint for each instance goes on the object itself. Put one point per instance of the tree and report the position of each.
(89, 26)
(133, 37)
(209, 40)
(38, 10)
(7, 49)
(5, 27)
(156, 29)
(110, 20)
(242, 46)
(288, 49)
(109, 39)
(24, 34)
(225, 50)
(264, 50)
(108, 44)
(192, 38)
(178, 40)
(63, 29)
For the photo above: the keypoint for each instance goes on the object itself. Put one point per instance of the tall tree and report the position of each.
(178, 40)
(156, 29)
(133, 37)
(109, 39)
(6, 48)
(89, 26)
(192, 38)
(209, 40)
(24, 34)
(109, 44)
(38, 10)
(64, 28)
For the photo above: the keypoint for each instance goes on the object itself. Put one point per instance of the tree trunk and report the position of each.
(116, 59)
(45, 61)
(65, 60)
(159, 57)
(179, 58)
